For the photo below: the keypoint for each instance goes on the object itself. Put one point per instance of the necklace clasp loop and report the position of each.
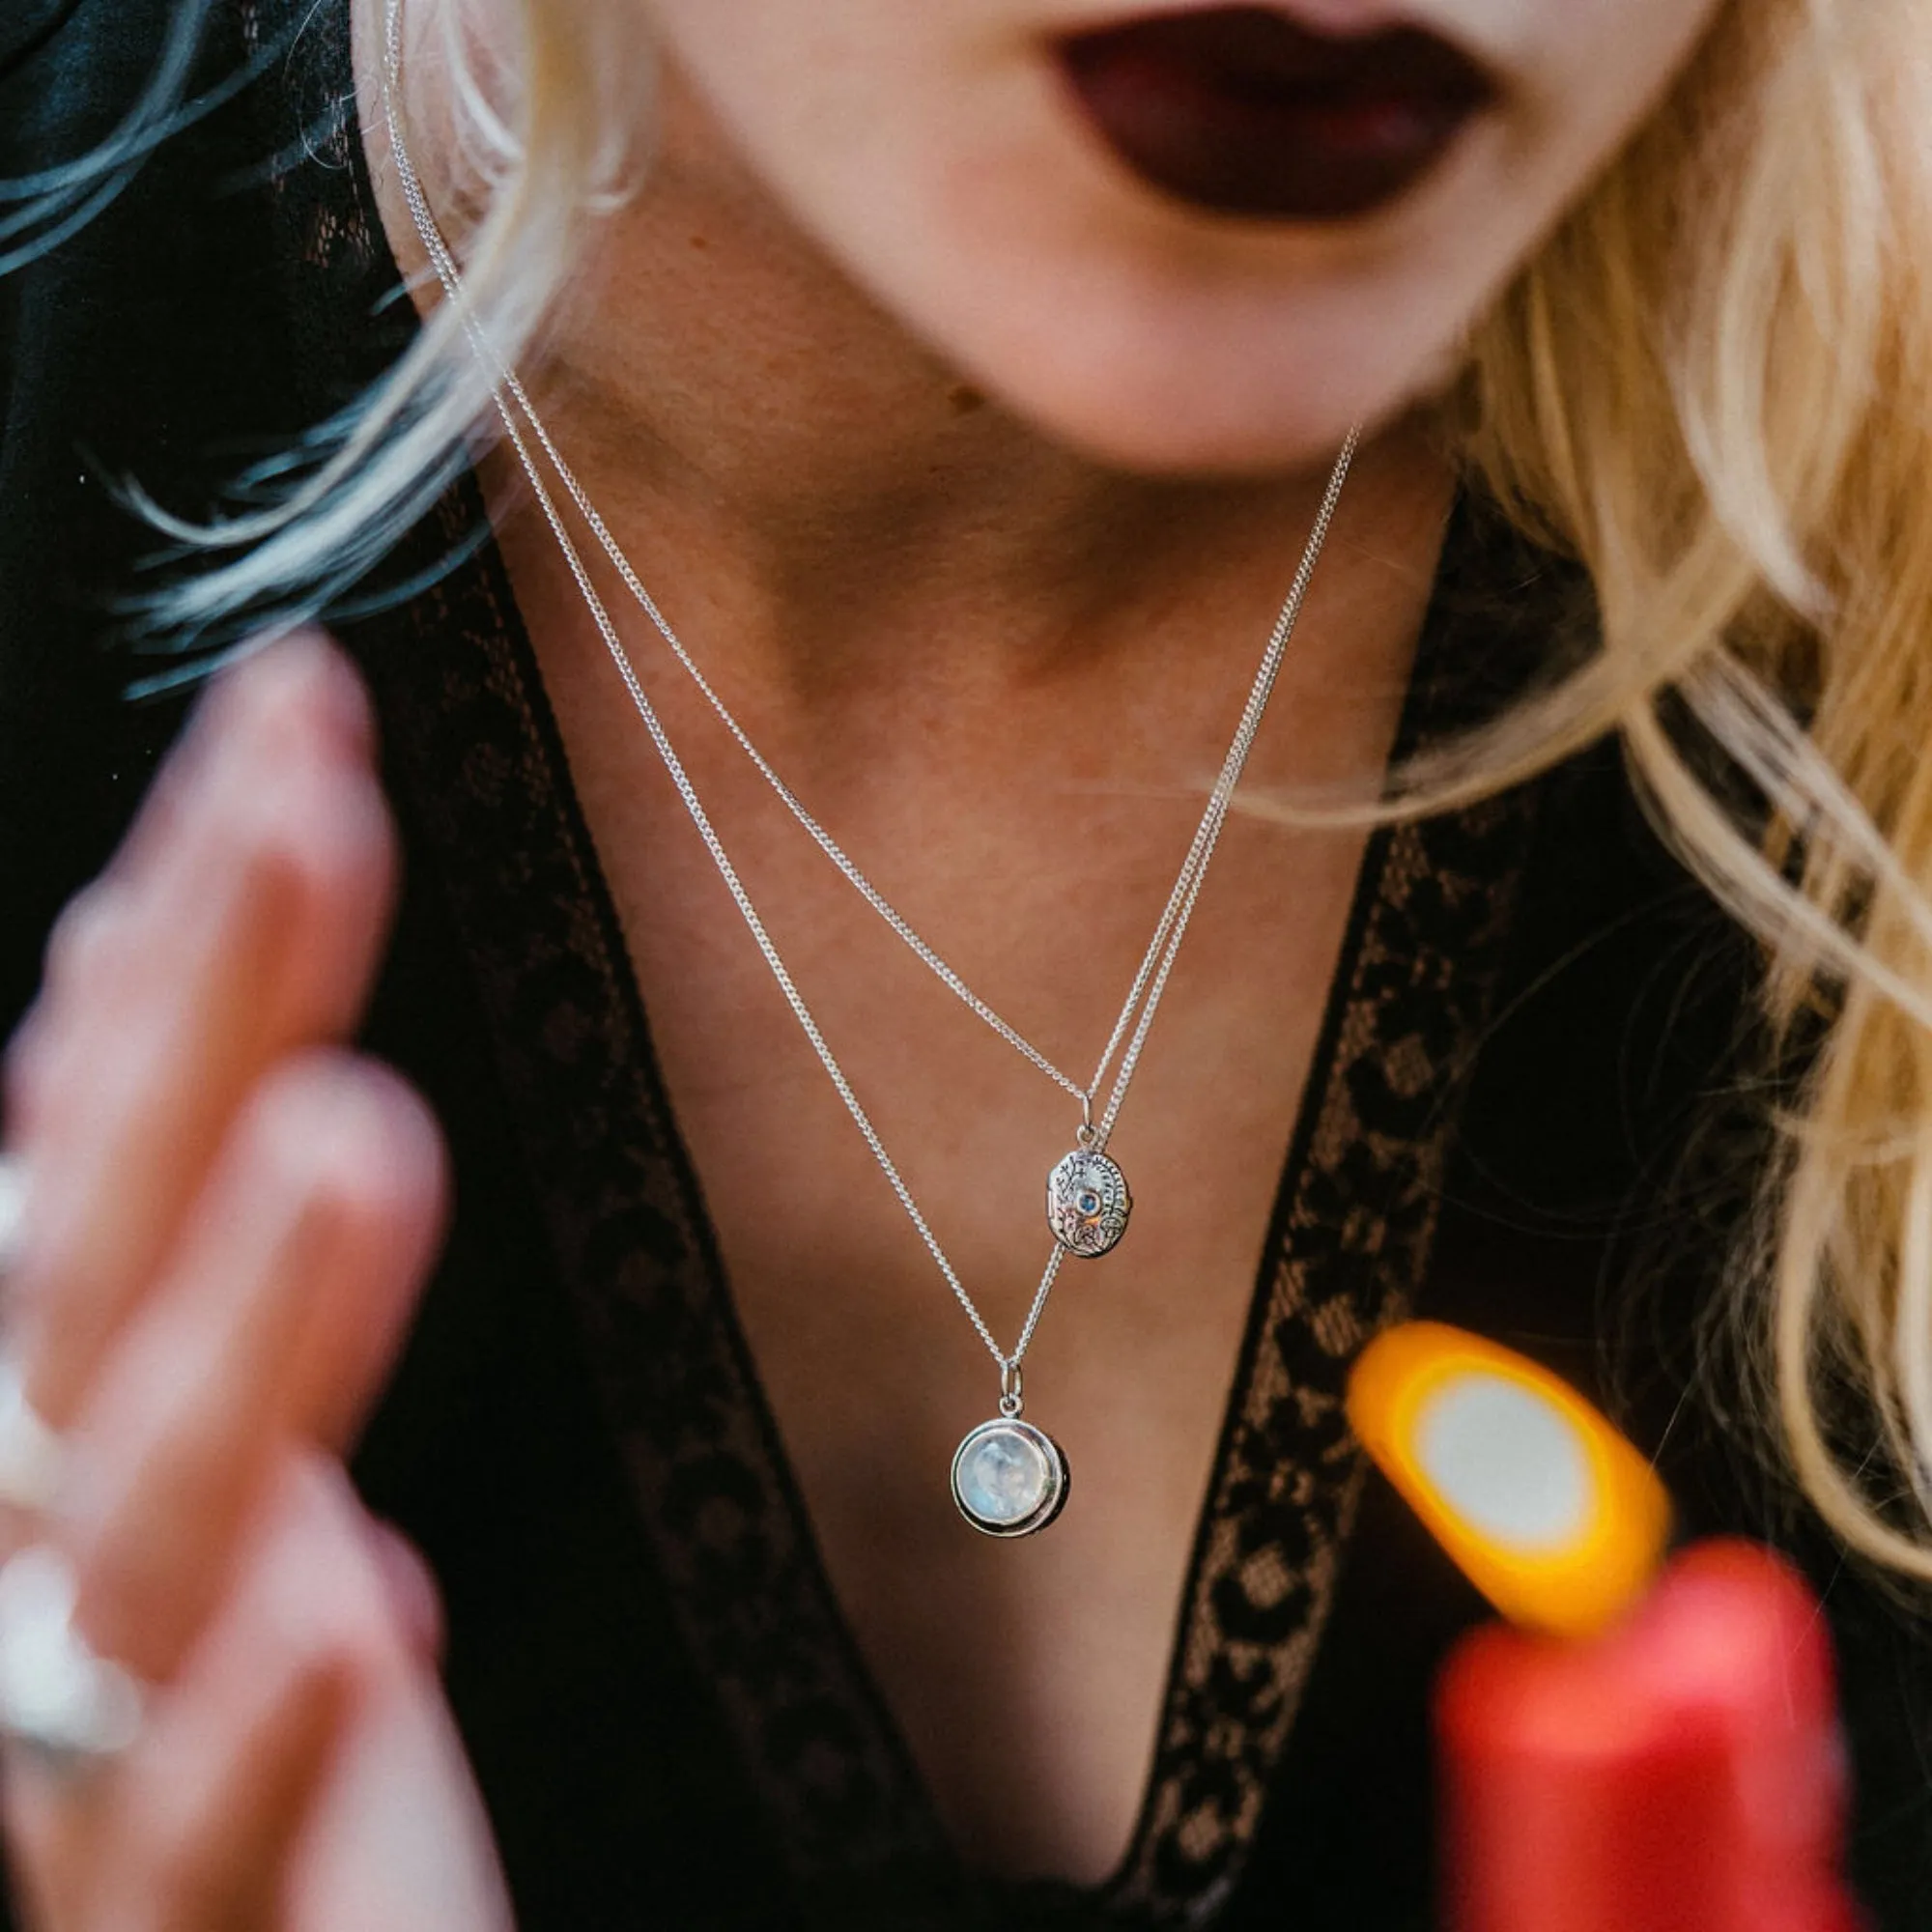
(1013, 1390)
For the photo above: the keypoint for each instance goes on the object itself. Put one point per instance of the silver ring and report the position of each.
(12, 1208)
(31, 1454)
(32, 1457)
(70, 1709)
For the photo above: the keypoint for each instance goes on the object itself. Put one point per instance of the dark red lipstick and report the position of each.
(1245, 112)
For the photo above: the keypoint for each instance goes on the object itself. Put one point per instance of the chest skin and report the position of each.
(1027, 1676)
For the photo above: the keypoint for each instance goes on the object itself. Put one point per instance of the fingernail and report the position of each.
(305, 678)
(411, 1588)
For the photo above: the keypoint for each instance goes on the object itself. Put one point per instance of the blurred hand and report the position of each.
(229, 1217)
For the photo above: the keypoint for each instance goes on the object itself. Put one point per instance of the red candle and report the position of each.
(1681, 1774)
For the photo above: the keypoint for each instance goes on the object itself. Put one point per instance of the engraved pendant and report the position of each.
(1088, 1202)
(1009, 1478)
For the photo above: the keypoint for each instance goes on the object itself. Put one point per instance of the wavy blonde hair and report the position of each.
(1713, 385)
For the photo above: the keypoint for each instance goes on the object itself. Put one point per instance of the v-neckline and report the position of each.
(490, 795)
(487, 799)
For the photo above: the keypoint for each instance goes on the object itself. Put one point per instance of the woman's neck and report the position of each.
(798, 474)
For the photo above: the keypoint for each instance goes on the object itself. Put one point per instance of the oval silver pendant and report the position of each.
(1009, 1478)
(1088, 1202)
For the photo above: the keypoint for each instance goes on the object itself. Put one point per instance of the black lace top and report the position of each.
(669, 1718)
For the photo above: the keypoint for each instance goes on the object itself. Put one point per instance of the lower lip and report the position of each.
(1239, 113)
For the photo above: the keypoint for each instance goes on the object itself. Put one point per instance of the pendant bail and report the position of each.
(1013, 1390)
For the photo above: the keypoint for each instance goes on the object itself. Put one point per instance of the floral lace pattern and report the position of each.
(1349, 1246)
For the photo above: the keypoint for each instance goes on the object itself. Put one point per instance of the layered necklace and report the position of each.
(1009, 1477)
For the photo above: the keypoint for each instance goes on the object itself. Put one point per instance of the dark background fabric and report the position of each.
(1583, 1219)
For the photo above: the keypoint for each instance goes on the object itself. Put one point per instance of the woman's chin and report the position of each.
(1160, 337)
(1168, 423)
(1162, 376)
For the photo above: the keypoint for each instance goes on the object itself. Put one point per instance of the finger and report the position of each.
(332, 700)
(92, 921)
(397, 1842)
(206, 1839)
(276, 1318)
(300, 687)
(215, 1823)
(196, 1828)
(411, 1586)
(251, 924)
(400, 1842)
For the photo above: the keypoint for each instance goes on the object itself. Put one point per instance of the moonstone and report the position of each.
(1004, 1477)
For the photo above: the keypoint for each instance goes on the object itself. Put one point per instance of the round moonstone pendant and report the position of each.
(1088, 1202)
(1009, 1478)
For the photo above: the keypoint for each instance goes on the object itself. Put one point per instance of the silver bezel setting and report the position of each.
(1092, 1226)
(1059, 1480)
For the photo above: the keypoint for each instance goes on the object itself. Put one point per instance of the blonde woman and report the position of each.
(962, 382)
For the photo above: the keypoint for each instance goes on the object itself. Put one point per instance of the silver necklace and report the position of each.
(1009, 1478)
(1088, 1202)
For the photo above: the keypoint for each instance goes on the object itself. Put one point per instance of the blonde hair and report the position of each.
(1713, 383)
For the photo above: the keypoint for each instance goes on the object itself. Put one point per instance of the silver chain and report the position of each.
(1150, 977)
(1149, 983)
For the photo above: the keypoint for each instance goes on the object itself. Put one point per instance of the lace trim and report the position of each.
(628, 1225)
(1350, 1244)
